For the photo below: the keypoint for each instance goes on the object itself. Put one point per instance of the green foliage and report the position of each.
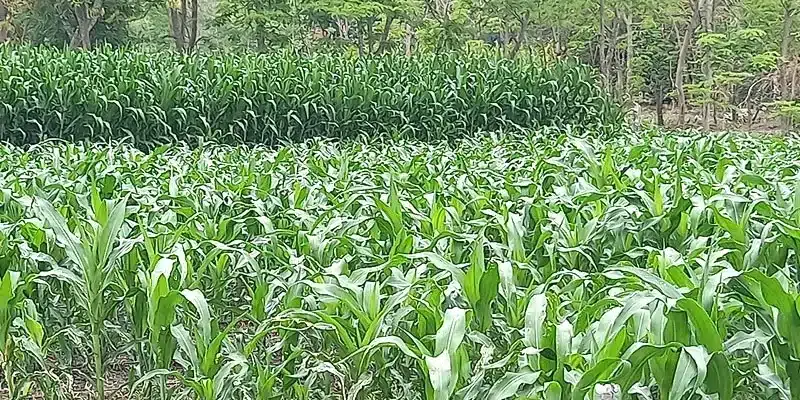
(790, 110)
(150, 99)
(535, 266)
(53, 22)
(272, 23)
(655, 57)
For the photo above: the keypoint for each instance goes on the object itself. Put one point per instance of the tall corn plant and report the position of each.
(156, 98)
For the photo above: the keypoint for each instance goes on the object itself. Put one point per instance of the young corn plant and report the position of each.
(10, 298)
(92, 250)
(539, 265)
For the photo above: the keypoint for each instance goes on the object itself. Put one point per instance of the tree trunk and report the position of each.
(601, 42)
(192, 44)
(385, 34)
(261, 43)
(620, 84)
(86, 17)
(614, 58)
(786, 41)
(629, 55)
(184, 27)
(680, 69)
(660, 104)
(3, 21)
(556, 42)
(177, 19)
(370, 35)
(183, 24)
(343, 27)
(523, 26)
(409, 40)
(708, 27)
(734, 110)
(360, 36)
(81, 38)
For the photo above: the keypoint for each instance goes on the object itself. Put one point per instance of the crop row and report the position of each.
(153, 98)
(543, 267)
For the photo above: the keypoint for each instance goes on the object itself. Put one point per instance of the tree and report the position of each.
(708, 27)
(183, 17)
(789, 12)
(563, 20)
(4, 21)
(264, 21)
(601, 40)
(680, 69)
(78, 23)
(523, 11)
(362, 13)
(86, 16)
(396, 10)
(655, 57)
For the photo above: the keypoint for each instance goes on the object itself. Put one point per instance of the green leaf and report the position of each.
(515, 229)
(535, 318)
(632, 306)
(507, 288)
(690, 372)
(705, 329)
(441, 375)
(637, 356)
(35, 330)
(656, 282)
(150, 375)
(509, 384)
(590, 378)
(392, 341)
(747, 340)
(184, 340)
(771, 380)
(439, 262)
(720, 377)
(8, 287)
(489, 286)
(109, 232)
(474, 273)
(451, 334)
(75, 250)
(197, 299)
(564, 335)
(552, 391)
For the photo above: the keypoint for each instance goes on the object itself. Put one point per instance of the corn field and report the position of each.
(536, 266)
(154, 98)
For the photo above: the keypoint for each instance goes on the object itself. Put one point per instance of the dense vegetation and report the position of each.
(715, 63)
(664, 266)
(437, 202)
(152, 98)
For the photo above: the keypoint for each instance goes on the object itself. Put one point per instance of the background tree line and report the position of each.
(717, 63)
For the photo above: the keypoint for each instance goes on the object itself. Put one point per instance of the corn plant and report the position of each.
(151, 99)
(512, 265)
(93, 257)
(9, 298)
